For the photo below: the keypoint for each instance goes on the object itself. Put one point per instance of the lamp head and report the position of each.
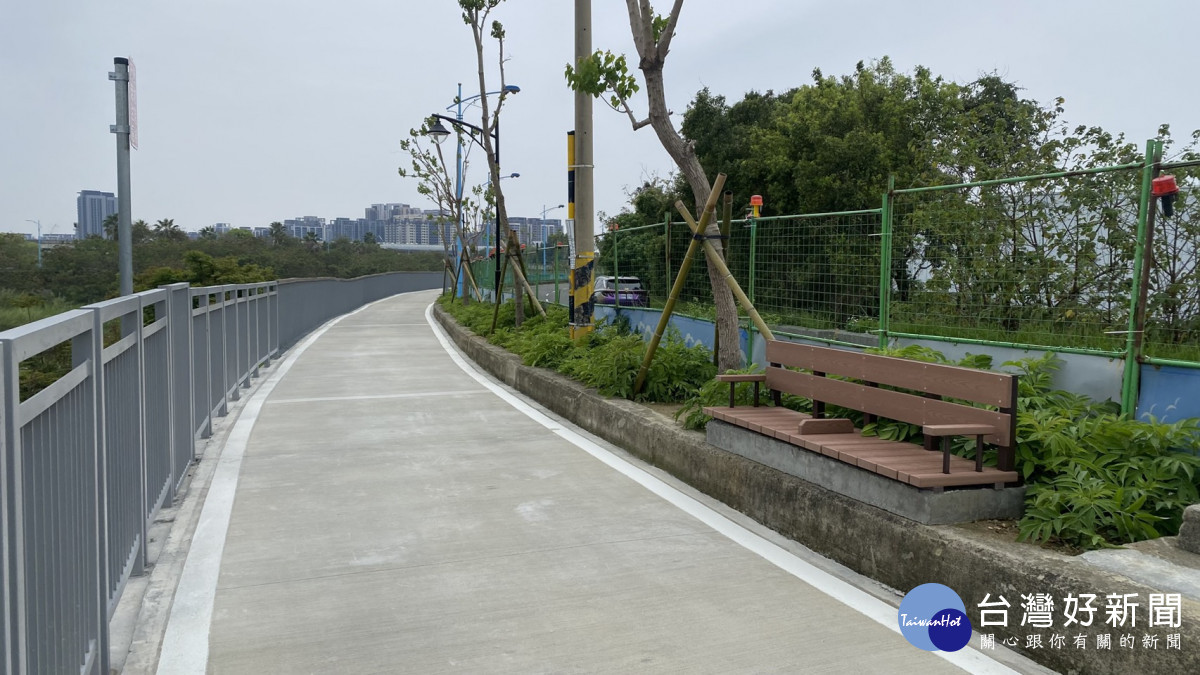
(438, 132)
(512, 89)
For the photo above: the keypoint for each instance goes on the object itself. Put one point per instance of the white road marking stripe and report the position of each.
(873, 608)
(185, 643)
(469, 392)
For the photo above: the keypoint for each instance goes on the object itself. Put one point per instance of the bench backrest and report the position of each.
(933, 380)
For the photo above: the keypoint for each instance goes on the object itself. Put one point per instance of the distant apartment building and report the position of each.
(405, 225)
(302, 226)
(92, 207)
(534, 231)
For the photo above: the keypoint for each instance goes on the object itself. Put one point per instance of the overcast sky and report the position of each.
(252, 111)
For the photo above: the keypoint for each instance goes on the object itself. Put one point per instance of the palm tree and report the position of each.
(312, 241)
(168, 230)
(278, 233)
(209, 232)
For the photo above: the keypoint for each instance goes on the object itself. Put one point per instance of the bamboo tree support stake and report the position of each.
(726, 274)
(449, 270)
(709, 209)
(471, 279)
(520, 275)
(499, 294)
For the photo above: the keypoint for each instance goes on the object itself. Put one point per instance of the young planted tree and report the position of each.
(434, 181)
(605, 73)
(475, 14)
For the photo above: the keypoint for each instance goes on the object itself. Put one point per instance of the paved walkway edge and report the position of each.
(892, 550)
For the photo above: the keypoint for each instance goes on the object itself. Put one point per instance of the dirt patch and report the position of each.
(667, 410)
(1006, 531)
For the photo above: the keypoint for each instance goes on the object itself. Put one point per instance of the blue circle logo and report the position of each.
(932, 617)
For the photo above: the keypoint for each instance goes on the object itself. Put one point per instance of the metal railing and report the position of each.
(88, 459)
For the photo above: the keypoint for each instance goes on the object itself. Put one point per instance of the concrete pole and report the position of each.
(121, 129)
(585, 204)
(585, 243)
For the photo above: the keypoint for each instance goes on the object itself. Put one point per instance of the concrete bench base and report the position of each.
(923, 506)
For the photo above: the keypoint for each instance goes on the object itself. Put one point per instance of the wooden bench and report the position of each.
(863, 390)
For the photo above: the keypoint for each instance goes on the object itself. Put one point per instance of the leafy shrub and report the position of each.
(678, 371)
(714, 393)
(1096, 478)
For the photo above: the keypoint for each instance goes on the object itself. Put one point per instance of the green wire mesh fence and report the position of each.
(1044, 263)
(1173, 297)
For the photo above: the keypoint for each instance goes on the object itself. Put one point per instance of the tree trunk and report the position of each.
(518, 289)
(729, 355)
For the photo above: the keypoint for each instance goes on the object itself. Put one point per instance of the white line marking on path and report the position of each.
(424, 394)
(860, 601)
(185, 644)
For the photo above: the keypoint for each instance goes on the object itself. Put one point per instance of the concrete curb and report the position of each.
(893, 550)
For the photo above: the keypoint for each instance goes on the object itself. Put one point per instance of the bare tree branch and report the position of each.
(664, 40)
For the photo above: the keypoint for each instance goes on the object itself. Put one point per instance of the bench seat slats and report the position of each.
(892, 459)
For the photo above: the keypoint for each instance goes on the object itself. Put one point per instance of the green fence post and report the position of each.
(753, 256)
(1129, 384)
(885, 264)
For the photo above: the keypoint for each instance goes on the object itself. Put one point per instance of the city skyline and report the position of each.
(391, 222)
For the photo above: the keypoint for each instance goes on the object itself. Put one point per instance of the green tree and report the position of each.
(604, 73)
(167, 230)
(278, 234)
(18, 263)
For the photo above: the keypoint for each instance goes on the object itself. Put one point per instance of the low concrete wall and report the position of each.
(894, 550)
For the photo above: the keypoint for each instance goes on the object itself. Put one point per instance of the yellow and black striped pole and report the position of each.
(582, 281)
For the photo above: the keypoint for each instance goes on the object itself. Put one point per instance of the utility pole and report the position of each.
(585, 246)
(122, 130)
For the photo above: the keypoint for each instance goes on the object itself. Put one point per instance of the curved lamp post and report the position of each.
(39, 226)
(439, 133)
(545, 236)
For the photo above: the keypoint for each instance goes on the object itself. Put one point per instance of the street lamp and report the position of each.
(545, 236)
(39, 226)
(439, 133)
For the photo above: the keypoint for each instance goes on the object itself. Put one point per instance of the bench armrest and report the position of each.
(735, 377)
(945, 431)
(958, 429)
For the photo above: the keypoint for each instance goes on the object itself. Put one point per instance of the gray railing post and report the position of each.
(10, 510)
(229, 322)
(182, 355)
(275, 319)
(132, 323)
(85, 347)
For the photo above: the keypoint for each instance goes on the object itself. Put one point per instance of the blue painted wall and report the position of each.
(644, 321)
(1169, 393)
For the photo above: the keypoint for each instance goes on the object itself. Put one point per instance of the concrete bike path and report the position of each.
(391, 510)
